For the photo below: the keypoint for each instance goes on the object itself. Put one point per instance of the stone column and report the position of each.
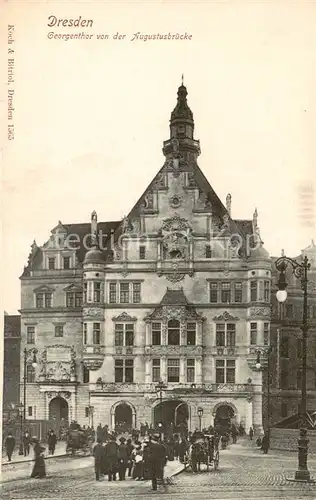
(199, 333)
(182, 370)
(198, 370)
(148, 334)
(148, 365)
(257, 404)
(163, 368)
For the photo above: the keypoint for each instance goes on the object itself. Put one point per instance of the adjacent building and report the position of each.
(286, 345)
(11, 366)
(152, 317)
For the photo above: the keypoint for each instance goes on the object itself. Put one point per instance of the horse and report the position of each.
(199, 453)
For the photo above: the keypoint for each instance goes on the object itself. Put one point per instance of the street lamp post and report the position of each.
(259, 366)
(34, 364)
(300, 270)
(160, 387)
(21, 412)
(200, 414)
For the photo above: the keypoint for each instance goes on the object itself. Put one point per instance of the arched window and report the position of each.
(173, 332)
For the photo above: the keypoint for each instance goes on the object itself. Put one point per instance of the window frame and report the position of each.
(96, 333)
(173, 331)
(58, 327)
(30, 334)
(253, 331)
(125, 366)
(127, 330)
(154, 331)
(173, 368)
(222, 336)
(191, 331)
(226, 370)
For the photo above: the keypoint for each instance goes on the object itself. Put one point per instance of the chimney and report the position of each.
(229, 204)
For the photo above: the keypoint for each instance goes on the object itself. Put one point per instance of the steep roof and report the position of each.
(174, 297)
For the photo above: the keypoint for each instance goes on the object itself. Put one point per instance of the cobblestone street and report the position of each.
(244, 473)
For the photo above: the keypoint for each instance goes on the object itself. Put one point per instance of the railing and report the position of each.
(163, 350)
(57, 272)
(170, 387)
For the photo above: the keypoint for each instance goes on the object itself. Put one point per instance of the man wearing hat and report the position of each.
(111, 456)
(156, 460)
(122, 458)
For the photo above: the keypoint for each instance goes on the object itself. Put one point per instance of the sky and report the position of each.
(90, 115)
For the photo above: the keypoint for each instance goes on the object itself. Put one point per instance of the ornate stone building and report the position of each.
(177, 291)
(286, 345)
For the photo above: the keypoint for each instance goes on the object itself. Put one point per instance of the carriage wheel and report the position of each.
(216, 461)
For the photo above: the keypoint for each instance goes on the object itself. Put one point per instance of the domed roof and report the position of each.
(259, 253)
(94, 256)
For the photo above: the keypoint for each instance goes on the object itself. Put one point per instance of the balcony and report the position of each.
(177, 350)
(93, 356)
(171, 388)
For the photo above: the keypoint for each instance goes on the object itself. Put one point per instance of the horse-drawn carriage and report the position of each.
(79, 440)
(202, 450)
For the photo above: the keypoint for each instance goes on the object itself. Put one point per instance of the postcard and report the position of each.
(159, 256)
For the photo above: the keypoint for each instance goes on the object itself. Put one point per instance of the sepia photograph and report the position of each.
(158, 250)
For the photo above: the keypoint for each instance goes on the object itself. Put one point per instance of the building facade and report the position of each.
(286, 345)
(178, 291)
(11, 365)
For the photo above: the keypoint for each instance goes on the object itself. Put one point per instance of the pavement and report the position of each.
(60, 451)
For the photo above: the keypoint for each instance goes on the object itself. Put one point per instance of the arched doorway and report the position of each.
(171, 414)
(123, 417)
(224, 415)
(59, 414)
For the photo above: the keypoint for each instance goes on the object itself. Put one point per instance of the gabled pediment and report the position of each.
(44, 289)
(73, 287)
(226, 316)
(124, 316)
(60, 228)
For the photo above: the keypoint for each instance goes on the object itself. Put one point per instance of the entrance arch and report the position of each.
(171, 413)
(58, 411)
(123, 416)
(224, 414)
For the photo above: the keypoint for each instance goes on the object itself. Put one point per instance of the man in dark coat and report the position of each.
(111, 456)
(9, 445)
(129, 450)
(98, 453)
(156, 460)
(265, 443)
(26, 443)
(122, 459)
(52, 440)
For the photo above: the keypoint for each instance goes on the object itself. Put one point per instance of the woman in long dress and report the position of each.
(39, 470)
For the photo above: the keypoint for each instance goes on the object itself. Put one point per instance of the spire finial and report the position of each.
(182, 79)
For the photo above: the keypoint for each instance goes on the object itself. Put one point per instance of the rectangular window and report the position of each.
(85, 289)
(97, 291)
(30, 411)
(266, 333)
(124, 293)
(283, 410)
(231, 335)
(238, 292)
(289, 311)
(124, 334)
(299, 348)
(124, 370)
(284, 347)
(70, 299)
(142, 252)
(156, 333)
(66, 261)
(112, 293)
(96, 333)
(226, 292)
(51, 263)
(30, 374)
(136, 293)
(85, 333)
(86, 375)
(30, 335)
(43, 300)
(156, 370)
(59, 331)
(267, 291)
(78, 299)
(173, 370)
(214, 292)
(191, 370)
(253, 291)
(220, 334)
(253, 333)
(86, 412)
(225, 371)
(191, 333)
(208, 252)
(299, 379)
